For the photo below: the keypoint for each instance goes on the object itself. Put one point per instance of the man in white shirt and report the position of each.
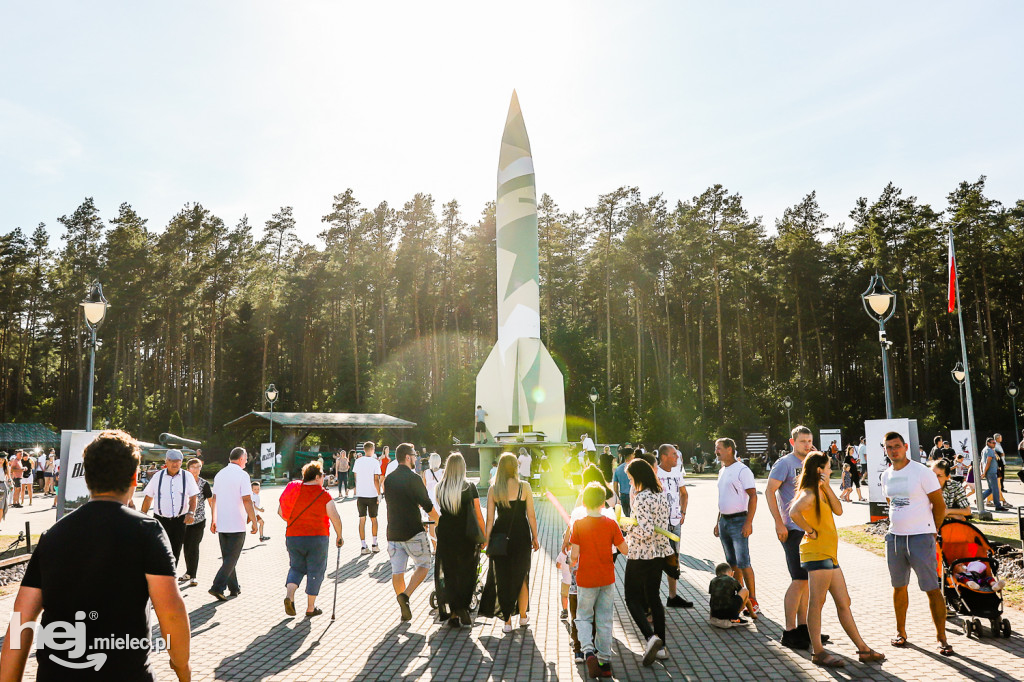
(670, 476)
(230, 510)
(525, 462)
(737, 501)
(589, 449)
(916, 510)
(368, 480)
(175, 493)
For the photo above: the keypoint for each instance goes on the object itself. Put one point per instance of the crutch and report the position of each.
(337, 569)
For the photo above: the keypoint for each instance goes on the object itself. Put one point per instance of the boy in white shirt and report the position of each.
(258, 506)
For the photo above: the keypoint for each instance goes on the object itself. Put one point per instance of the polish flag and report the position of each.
(952, 275)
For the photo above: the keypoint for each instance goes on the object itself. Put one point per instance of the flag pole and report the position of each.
(976, 457)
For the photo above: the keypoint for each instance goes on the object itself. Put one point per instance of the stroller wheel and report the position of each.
(977, 627)
(968, 628)
(433, 600)
(1005, 629)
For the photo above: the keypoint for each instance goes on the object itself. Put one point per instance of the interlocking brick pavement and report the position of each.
(251, 638)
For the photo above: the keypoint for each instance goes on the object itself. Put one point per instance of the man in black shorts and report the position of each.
(367, 472)
(481, 426)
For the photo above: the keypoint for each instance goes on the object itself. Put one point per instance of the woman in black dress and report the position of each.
(457, 553)
(510, 512)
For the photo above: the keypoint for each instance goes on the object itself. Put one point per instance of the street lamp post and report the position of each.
(593, 403)
(787, 402)
(880, 305)
(958, 376)
(95, 308)
(272, 398)
(1012, 391)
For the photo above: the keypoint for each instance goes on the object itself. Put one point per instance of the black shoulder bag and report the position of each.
(498, 544)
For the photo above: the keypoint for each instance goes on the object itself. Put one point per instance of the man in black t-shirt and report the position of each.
(406, 495)
(91, 576)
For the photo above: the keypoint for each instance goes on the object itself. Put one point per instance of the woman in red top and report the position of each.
(307, 508)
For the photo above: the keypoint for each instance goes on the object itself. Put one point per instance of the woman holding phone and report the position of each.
(813, 510)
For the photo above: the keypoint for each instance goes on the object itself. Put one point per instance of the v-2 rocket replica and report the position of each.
(520, 387)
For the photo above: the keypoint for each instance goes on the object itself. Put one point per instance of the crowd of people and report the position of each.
(631, 505)
(24, 471)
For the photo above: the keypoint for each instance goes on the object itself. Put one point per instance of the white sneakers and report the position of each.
(721, 623)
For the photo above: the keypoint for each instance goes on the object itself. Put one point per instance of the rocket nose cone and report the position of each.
(515, 140)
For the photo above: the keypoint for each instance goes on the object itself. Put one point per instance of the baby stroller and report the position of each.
(962, 544)
(474, 602)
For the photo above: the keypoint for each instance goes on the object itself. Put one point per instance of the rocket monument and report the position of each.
(520, 386)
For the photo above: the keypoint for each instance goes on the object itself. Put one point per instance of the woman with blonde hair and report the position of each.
(458, 553)
(813, 509)
(511, 534)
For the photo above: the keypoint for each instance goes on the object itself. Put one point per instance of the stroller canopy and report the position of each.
(962, 540)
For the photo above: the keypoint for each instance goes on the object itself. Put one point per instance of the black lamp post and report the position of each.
(1012, 391)
(880, 305)
(95, 308)
(787, 402)
(958, 376)
(593, 403)
(272, 398)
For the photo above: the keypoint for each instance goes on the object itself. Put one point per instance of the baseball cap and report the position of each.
(174, 455)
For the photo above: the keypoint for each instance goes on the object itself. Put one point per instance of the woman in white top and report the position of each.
(431, 477)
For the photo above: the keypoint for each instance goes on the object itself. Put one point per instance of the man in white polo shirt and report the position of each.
(737, 501)
(175, 493)
(916, 510)
(232, 509)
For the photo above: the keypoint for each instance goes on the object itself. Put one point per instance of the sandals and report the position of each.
(827, 660)
(870, 656)
(289, 606)
(315, 612)
(946, 649)
(898, 641)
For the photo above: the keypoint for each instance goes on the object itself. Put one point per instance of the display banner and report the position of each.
(72, 492)
(267, 455)
(960, 441)
(827, 436)
(877, 462)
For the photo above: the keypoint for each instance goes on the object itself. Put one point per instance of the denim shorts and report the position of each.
(416, 548)
(737, 547)
(903, 552)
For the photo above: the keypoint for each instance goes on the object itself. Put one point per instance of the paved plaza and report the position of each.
(251, 638)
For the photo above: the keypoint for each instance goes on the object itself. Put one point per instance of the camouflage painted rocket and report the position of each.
(520, 383)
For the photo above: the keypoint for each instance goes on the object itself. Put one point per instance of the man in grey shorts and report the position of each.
(916, 510)
(406, 495)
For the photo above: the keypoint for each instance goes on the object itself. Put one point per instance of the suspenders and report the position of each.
(159, 487)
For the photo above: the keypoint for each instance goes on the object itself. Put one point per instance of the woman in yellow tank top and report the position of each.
(813, 510)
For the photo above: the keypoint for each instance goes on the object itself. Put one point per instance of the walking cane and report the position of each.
(337, 568)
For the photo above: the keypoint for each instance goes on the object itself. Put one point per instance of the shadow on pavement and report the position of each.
(282, 640)
(390, 657)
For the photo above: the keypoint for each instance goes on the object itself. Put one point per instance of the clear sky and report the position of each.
(249, 106)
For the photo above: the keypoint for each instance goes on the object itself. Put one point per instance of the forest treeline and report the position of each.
(691, 320)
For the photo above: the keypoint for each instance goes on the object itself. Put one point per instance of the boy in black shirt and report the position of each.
(91, 576)
(727, 597)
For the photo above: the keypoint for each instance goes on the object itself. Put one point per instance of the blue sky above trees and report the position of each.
(249, 106)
